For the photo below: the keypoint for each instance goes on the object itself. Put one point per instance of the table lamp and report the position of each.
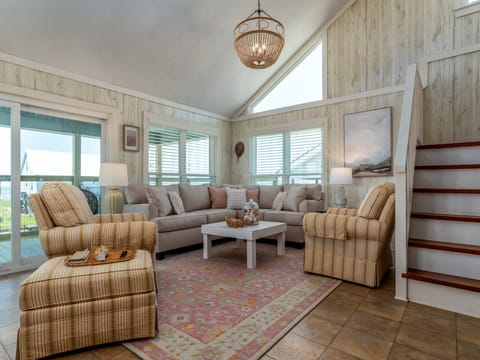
(340, 176)
(113, 175)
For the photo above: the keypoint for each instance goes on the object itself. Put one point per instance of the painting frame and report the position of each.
(131, 138)
(368, 142)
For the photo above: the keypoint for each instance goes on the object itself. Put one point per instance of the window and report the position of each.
(303, 84)
(179, 157)
(288, 157)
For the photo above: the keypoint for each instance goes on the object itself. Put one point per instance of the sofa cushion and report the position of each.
(195, 197)
(66, 204)
(373, 203)
(278, 201)
(217, 215)
(236, 198)
(294, 196)
(253, 194)
(55, 284)
(267, 195)
(288, 217)
(180, 222)
(158, 196)
(177, 202)
(218, 197)
(136, 194)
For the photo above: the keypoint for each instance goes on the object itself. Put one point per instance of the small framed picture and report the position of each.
(131, 138)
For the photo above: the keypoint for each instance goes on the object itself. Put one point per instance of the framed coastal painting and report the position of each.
(131, 138)
(368, 142)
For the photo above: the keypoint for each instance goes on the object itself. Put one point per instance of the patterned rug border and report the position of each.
(264, 348)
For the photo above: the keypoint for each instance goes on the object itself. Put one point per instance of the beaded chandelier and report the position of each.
(259, 39)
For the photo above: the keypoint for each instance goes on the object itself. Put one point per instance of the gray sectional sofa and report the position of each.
(180, 210)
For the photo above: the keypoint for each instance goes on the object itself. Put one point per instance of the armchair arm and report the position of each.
(367, 229)
(66, 240)
(115, 218)
(325, 225)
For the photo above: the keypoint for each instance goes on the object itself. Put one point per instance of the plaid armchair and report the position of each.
(65, 308)
(353, 244)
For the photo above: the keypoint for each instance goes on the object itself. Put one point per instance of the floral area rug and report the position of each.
(219, 309)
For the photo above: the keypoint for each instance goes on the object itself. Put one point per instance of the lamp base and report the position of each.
(340, 198)
(114, 201)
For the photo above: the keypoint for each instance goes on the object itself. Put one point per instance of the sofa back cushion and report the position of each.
(136, 194)
(66, 204)
(158, 197)
(267, 195)
(295, 195)
(218, 197)
(373, 203)
(253, 193)
(194, 197)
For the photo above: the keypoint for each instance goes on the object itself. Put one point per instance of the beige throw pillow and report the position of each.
(66, 204)
(176, 202)
(278, 201)
(295, 195)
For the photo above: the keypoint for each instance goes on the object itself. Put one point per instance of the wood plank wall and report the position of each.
(370, 47)
(131, 109)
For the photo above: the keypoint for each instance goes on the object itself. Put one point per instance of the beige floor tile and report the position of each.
(338, 307)
(3, 354)
(467, 351)
(354, 289)
(431, 310)
(76, 355)
(432, 343)
(430, 320)
(402, 352)
(374, 325)
(126, 355)
(361, 344)
(333, 354)
(109, 351)
(315, 328)
(294, 346)
(381, 303)
(8, 334)
(468, 329)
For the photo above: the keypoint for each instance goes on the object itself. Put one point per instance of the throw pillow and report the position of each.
(294, 196)
(278, 201)
(218, 197)
(176, 202)
(253, 194)
(236, 198)
(66, 204)
(195, 197)
(158, 196)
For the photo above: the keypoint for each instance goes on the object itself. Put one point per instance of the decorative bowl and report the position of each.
(234, 223)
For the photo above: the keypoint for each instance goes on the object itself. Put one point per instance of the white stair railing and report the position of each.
(409, 135)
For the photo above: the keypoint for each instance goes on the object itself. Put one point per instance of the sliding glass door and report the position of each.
(37, 148)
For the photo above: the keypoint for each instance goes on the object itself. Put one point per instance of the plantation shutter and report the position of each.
(197, 159)
(290, 157)
(164, 155)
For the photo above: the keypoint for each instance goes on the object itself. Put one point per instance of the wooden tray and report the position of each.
(113, 256)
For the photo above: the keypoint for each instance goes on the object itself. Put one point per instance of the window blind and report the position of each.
(289, 157)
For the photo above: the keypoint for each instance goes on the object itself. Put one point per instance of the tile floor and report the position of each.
(354, 322)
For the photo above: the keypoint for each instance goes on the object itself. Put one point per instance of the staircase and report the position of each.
(444, 240)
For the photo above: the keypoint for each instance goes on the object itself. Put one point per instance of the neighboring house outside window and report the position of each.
(178, 156)
(288, 157)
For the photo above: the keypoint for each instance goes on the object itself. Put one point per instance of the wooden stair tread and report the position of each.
(448, 167)
(448, 145)
(445, 246)
(443, 279)
(446, 191)
(446, 217)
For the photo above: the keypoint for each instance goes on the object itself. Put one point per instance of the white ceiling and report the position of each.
(178, 50)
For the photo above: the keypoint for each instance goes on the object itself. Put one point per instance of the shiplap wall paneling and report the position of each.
(467, 30)
(466, 97)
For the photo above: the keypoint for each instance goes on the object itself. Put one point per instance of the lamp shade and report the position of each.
(341, 176)
(113, 174)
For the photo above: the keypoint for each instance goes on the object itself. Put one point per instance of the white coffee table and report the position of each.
(248, 233)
